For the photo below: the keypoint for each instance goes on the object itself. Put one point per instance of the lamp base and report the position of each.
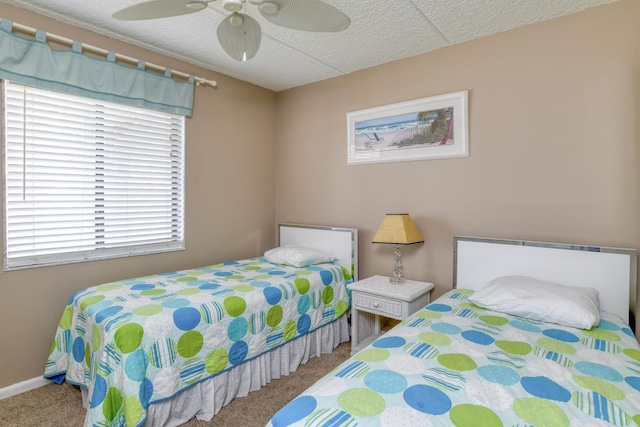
(397, 280)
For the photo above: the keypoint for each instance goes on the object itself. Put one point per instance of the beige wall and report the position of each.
(554, 144)
(230, 206)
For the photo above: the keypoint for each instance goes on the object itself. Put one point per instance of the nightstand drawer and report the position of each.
(379, 305)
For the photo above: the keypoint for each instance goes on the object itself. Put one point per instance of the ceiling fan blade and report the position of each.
(155, 9)
(240, 36)
(304, 15)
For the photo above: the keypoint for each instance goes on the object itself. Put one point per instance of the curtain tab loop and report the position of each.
(167, 72)
(141, 65)
(77, 46)
(41, 36)
(111, 56)
(6, 25)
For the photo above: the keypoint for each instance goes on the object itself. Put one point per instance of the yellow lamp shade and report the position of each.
(398, 229)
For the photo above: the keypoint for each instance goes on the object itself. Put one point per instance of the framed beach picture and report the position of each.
(428, 128)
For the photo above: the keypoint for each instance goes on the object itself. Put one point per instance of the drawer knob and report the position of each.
(376, 304)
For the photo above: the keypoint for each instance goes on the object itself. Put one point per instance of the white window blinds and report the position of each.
(87, 179)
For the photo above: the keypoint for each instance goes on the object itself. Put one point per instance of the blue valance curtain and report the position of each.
(33, 62)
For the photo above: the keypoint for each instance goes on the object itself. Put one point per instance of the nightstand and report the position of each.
(374, 297)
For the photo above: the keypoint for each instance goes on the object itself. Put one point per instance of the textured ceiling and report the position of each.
(380, 31)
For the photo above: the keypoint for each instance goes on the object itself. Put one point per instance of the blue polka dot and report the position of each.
(389, 342)
(560, 335)
(277, 273)
(136, 365)
(107, 312)
(209, 286)
(327, 277)
(146, 391)
(499, 374)
(223, 273)
(78, 349)
(99, 391)
(439, 307)
(599, 371)
(633, 382)
(427, 399)
(544, 388)
(237, 328)
(524, 326)
(186, 318)
(304, 323)
(446, 328)
(303, 304)
(294, 411)
(260, 284)
(384, 381)
(478, 337)
(231, 263)
(176, 303)
(142, 287)
(607, 325)
(273, 295)
(628, 332)
(94, 308)
(238, 352)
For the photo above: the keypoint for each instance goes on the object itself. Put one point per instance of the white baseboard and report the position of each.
(22, 387)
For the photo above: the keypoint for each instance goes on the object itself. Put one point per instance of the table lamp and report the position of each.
(398, 229)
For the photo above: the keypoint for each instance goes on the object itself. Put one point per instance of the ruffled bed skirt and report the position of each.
(206, 398)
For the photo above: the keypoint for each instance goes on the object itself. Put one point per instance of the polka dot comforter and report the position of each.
(139, 341)
(455, 364)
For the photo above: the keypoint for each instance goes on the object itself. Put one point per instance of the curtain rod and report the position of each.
(119, 57)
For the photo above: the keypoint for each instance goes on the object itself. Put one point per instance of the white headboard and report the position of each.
(611, 271)
(339, 241)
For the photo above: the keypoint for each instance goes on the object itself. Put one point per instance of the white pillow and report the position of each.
(297, 256)
(527, 297)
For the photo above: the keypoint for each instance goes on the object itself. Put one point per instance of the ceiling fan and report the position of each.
(239, 34)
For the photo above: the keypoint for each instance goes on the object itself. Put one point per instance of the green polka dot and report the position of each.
(53, 346)
(435, 338)
(428, 314)
(216, 361)
(190, 344)
(243, 288)
(514, 347)
(637, 419)
(472, 306)
(457, 362)
(633, 353)
(132, 410)
(152, 292)
(128, 337)
(346, 274)
(603, 387)
(464, 291)
(262, 276)
(372, 355)
(112, 403)
(235, 277)
(341, 308)
(302, 285)
(274, 316)
(87, 355)
(107, 288)
(540, 412)
(187, 279)
(147, 310)
(290, 330)
(467, 415)
(96, 337)
(361, 402)
(235, 306)
(327, 295)
(601, 334)
(188, 291)
(557, 346)
(494, 320)
(303, 272)
(252, 268)
(86, 302)
(67, 318)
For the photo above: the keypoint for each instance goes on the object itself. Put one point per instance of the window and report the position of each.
(87, 179)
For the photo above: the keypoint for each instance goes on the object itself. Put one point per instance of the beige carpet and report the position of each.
(61, 405)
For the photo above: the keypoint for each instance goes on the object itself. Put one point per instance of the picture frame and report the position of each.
(422, 129)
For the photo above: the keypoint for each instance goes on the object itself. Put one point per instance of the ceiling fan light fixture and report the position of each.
(232, 5)
(269, 7)
(196, 5)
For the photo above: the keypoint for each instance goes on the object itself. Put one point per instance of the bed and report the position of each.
(162, 349)
(458, 363)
